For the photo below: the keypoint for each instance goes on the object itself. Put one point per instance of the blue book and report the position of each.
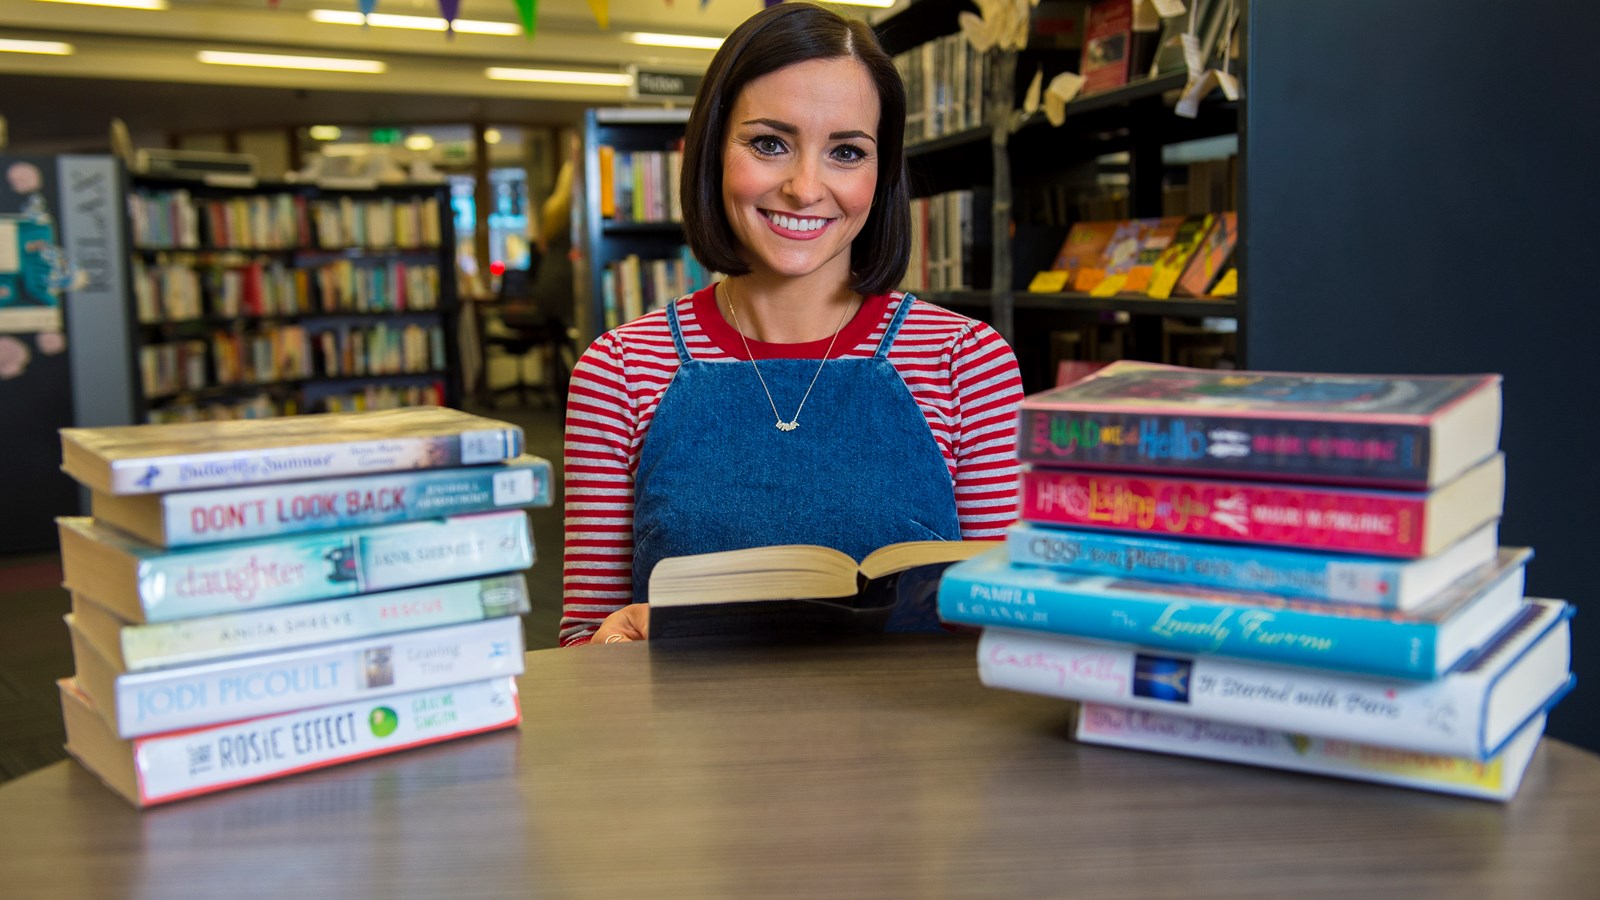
(1422, 643)
(189, 518)
(1305, 574)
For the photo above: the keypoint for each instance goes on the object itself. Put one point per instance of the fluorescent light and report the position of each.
(560, 76)
(419, 142)
(417, 23)
(491, 135)
(121, 4)
(689, 41)
(279, 61)
(53, 48)
(324, 132)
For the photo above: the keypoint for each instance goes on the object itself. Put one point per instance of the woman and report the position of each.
(801, 399)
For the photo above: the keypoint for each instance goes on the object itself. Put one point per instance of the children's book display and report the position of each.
(1290, 570)
(225, 639)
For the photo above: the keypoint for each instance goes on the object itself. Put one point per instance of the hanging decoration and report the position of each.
(528, 12)
(366, 7)
(448, 10)
(602, 12)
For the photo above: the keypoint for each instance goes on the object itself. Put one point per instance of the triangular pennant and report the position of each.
(602, 12)
(366, 7)
(448, 10)
(528, 12)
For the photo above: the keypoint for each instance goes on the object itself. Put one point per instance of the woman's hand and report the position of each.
(630, 623)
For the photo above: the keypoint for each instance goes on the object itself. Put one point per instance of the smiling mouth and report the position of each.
(795, 223)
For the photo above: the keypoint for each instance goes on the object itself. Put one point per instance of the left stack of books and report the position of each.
(1284, 569)
(256, 598)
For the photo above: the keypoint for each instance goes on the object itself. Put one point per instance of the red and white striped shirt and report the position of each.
(962, 375)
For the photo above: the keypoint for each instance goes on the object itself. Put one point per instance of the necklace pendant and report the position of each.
(787, 426)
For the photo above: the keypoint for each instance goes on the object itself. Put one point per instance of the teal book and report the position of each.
(142, 583)
(188, 518)
(988, 590)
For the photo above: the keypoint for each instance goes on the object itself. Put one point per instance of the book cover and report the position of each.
(1407, 524)
(143, 583)
(1122, 251)
(1306, 574)
(1153, 244)
(187, 518)
(1205, 267)
(1107, 36)
(1472, 711)
(152, 459)
(1181, 619)
(1411, 431)
(163, 700)
(1083, 252)
(1496, 779)
(1175, 256)
(163, 768)
(159, 645)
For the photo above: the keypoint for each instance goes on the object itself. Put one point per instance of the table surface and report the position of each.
(867, 769)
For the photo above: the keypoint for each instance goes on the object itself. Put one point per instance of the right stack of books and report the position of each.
(1299, 571)
(255, 598)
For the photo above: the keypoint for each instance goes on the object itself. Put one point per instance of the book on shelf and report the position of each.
(1471, 711)
(1153, 244)
(1495, 779)
(1176, 255)
(149, 771)
(1206, 266)
(188, 518)
(1306, 574)
(1107, 40)
(140, 582)
(795, 588)
(1402, 431)
(146, 459)
(1406, 524)
(131, 647)
(161, 700)
(1121, 252)
(1082, 253)
(1422, 643)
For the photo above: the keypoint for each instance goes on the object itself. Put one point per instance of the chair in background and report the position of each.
(517, 327)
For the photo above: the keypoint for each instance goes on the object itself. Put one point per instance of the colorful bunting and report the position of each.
(528, 12)
(366, 7)
(448, 10)
(602, 12)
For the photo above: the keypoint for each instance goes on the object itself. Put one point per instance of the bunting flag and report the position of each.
(448, 9)
(366, 7)
(528, 12)
(602, 12)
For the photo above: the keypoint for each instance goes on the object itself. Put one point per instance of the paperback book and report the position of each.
(152, 459)
(1407, 524)
(1422, 643)
(159, 645)
(1307, 574)
(1401, 431)
(142, 583)
(1495, 779)
(149, 771)
(187, 518)
(1472, 711)
(163, 700)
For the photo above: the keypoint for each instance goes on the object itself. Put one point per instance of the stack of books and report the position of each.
(1289, 570)
(256, 598)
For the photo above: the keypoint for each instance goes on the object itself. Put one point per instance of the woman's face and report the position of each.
(800, 165)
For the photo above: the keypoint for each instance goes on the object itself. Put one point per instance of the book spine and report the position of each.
(322, 566)
(1283, 449)
(195, 471)
(1371, 581)
(1441, 716)
(1379, 523)
(1361, 641)
(186, 641)
(1140, 730)
(172, 767)
(202, 517)
(204, 694)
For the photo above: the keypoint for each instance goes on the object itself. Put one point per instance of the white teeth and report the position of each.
(795, 224)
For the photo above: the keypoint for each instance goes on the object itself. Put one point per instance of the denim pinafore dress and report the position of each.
(862, 470)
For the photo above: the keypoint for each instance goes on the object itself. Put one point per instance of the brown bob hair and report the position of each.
(776, 37)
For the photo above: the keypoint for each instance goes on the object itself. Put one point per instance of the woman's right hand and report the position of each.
(630, 623)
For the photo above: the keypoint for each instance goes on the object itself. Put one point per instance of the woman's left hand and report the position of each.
(630, 623)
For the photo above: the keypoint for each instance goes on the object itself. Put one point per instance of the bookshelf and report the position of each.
(1018, 174)
(273, 299)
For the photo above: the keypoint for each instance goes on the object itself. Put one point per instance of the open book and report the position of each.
(800, 589)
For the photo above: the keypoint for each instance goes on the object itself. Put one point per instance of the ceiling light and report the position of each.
(279, 61)
(491, 135)
(53, 48)
(419, 142)
(689, 41)
(324, 132)
(560, 76)
(122, 4)
(417, 23)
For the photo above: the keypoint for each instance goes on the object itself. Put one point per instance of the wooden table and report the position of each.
(877, 769)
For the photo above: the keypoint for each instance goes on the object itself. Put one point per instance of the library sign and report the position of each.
(655, 84)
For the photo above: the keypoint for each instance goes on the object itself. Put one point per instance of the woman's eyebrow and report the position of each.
(786, 128)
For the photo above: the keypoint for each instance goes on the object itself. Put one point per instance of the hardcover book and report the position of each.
(1307, 574)
(1423, 643)
(152, 459)
(1176, 256)
(794, 589)
(1107, 39)
(1153, 245)
(1496, 779)
(149, 771)
(187, 518)
(159, 645)
(1082, 253)
(142, 583)
(1472, 711)
(1408, 524)
(1206, 266)
(163, 700)
(1406, 431)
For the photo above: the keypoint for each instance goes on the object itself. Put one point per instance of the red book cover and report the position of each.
(1106, 45)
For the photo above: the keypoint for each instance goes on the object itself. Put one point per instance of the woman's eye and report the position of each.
(767, 146)
(849, 153)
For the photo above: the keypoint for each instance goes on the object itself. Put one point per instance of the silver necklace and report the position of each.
(778, 422)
